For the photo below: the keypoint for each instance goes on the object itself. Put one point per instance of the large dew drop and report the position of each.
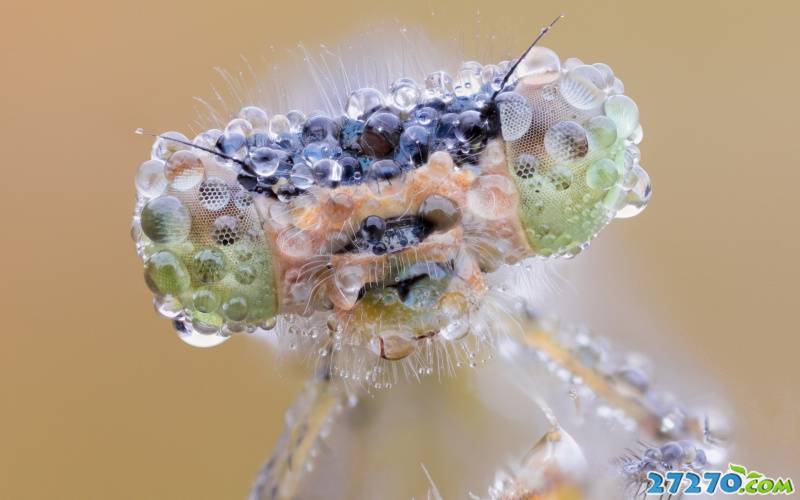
(439, 85)
(566, 141)
(516, 115)
(194, 338)
(404, 94)
(636, 199)
(184, 170)
(362, 102)
(582, 87)
(539, 67)
(150, 180)
(165, 274)
(625, 114)
(166, 220)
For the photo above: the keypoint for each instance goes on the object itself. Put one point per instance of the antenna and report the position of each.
(140, 131)
(513, 67)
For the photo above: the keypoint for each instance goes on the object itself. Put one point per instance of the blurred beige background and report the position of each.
(100, 400)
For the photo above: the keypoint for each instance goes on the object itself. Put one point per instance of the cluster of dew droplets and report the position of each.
(196, 230)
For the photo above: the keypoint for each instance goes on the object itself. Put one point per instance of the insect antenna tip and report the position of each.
(513, 67)
(141, 131)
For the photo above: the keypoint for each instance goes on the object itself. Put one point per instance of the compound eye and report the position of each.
(206, 258)
(571, 146)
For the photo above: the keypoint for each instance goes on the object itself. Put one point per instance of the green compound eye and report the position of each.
(205, 251)
(571, 149)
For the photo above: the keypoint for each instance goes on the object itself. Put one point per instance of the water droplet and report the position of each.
(225, 230)
(318, 150)
(582, 87)
(348, 281)
(405, 94)
(362, 102)
(246, 274)
(207, 139)
(279, 125)
(439, 212)
(255, 116)
(466, 83)
(327, 172)
(539, 67)
(208, 265)
(184, 170)
(302, 176)
(602, 174)
(602, 132)
(454, 307)
(636, 199)
(239, 126)
(168, 306)
(195, 338)
(566, 141)
(624, 112)
(243, 200)
(439, 85)
(516, 115)
(392, 345)
(294, 243)
(492, 76)
(165, 274)
(164, 148)
(214, 194)
(235, 308)
(166, 220)
(150, 180)
(296, 121)
(205, 300)
(266, 160)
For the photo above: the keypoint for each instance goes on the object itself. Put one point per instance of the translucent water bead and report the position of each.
(582, 87)
(362, 102)
(539, 67)
(266, 160)
(636, 199)
(163, 147)
(624, 112)
(302, 176)
(209, 265)
(256, 116)
(516, 115)
(166, 220)
(165, 274)
(602, 174)
(207, 139)
(239, 126)
(327, 172)
(566, 141)
(184, 170)
(602, 132)
(194, 338)
(405, 94)
(492, 76)
(467, 82)
(214, 194)
(439, 85)
(235, 308)
(278, 126)
(296, 121)
(150, 180)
